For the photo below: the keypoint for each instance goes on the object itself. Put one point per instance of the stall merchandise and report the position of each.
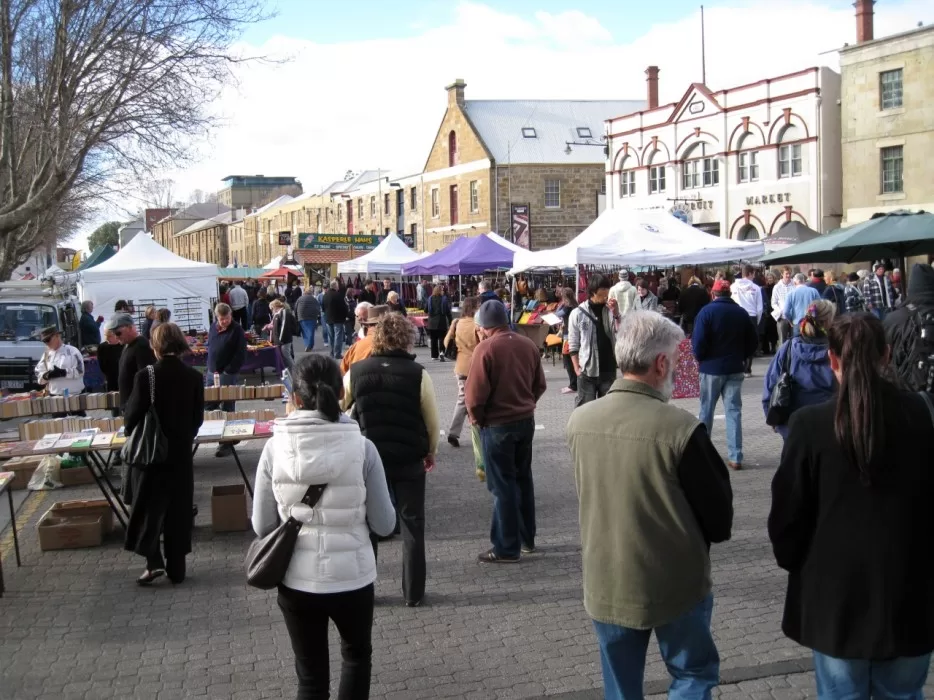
(144, 272)
(621, 237)
(34, 404)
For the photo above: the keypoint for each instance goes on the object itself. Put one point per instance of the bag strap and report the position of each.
(929, 402)
(313, 495)
(152, 385)
(786, 361)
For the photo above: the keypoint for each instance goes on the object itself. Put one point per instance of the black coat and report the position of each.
(439, 313)
(692, 300)
(108, 359)
(860, 558)
(164, 493)
(136, 355)
(334, 307)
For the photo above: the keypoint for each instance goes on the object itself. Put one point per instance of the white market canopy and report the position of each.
(147, 274)
(388, 257)
(621, 237)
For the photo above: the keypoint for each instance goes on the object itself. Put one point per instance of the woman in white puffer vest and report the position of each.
(333, 568)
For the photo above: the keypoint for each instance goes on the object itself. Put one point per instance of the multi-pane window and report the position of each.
(435, 203)
(360, 208)
(892, 163)
(372, 206)
(748, 166)
(656, 179)
(700, 170)
(890, 88)
(386, 203)
(552, 194)
(627, 183)
(474, 196)
(413, 198)
(789, 160)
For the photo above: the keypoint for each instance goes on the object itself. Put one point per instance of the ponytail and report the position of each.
(316, 380)
(858, 341)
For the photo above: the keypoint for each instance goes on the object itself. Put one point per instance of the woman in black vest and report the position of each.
(393, 400)
(439, 318)
(851, 522)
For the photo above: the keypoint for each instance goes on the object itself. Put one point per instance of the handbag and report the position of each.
(450, 350)
(147, 444)
(268, 557)
(780, 399)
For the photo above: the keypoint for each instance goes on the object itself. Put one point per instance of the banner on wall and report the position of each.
(285, 238)
(521, 226)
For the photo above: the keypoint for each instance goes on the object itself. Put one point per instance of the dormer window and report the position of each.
(583, 132)
(528, 132)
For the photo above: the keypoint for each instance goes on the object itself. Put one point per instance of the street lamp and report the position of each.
(601, 143)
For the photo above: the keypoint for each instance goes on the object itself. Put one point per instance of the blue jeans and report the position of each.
(857, 679)
(308, 333)
(507, 454)
(226, 380)
(686, 646)
(336, 333)
(730, 387)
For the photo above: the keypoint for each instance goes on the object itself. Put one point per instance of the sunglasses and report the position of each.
(117, 332)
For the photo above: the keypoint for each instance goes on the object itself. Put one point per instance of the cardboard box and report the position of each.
(69, 533)
(24, 468)
(76, 476)
(228, 509)
(93, 509)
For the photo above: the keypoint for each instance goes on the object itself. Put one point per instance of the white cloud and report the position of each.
(377, 103)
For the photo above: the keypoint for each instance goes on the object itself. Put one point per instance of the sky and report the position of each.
(359, 84)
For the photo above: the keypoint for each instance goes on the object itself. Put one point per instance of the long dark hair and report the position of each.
(858, 340)
(316, 380)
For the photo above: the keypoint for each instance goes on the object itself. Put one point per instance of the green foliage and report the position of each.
(105, 234)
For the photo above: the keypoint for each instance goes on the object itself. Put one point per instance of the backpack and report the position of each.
(915, 352)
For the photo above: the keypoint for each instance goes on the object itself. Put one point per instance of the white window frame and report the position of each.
(627, 183)
(891, 82)
(657, 178)
(413, 198)
(747, 166)
(474, 190)
(553, 191)
(790, 161)
(435, 203)
(895, 184)
(372, 206)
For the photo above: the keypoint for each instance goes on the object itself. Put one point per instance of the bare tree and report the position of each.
(158, 193)
(90, 89)
(196, 196)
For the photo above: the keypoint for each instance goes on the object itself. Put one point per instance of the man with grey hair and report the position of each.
(654, 494)
(485, 291)
(798, 301)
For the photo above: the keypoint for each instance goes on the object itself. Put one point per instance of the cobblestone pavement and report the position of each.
(73, 624)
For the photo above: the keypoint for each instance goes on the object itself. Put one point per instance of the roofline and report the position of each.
(891, 37)
(265, 177)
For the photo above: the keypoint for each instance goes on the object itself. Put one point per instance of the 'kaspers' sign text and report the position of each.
(336, 241)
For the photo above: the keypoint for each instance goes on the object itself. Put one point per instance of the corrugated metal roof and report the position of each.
(278, 201)
(224, 218)
(500, 124)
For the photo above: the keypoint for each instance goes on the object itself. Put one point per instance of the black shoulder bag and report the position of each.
(780, 399)
(268, 558)
(450, 350)
(147, 444)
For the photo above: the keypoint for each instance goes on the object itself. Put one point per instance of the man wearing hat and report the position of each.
(624, 293)
(61, 368)
(506, 381)
(136, 355)
(363, 348)
(724, 337)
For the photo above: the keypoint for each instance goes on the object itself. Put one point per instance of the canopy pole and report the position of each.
(577, 281)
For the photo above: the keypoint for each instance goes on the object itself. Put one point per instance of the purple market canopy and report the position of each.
(465, 256)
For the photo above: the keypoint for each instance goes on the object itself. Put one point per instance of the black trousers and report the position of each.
(409, 493)
(569, 368)
(306, 618)
(239, 315)
(437, 342)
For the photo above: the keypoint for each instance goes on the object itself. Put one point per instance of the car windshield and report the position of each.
(23, 321)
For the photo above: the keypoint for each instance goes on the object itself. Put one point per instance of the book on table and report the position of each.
(119, 438)
(211, 429)
(103, 439)
(47, 442)
(239, 428)
(263, 427)
(67, 440)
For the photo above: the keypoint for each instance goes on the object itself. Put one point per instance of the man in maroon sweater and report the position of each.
(506, 380)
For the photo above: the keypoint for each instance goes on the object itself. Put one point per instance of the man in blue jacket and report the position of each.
(724, 337)
(226, 355)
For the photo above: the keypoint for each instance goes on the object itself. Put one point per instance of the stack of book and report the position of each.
(20, 405)
(243, 393)
(263, 414)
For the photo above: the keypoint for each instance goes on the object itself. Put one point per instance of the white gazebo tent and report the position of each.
(147, 274)
(387, 258)
(622, 237)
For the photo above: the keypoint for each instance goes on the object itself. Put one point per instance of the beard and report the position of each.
(668, 388)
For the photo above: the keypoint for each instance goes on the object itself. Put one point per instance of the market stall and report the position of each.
(147, 274)
(465, 256)
(387, 258)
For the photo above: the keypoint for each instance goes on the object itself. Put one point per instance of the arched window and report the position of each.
(747, 164)
(701, 168)
(452, 149)
(748, 233)
(790, 158)
(627, 177)
(656, 173)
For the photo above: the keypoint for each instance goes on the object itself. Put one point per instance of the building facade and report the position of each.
(206, 240)
(165, 231)
(736, 163)
(250, 191)
(887, 106)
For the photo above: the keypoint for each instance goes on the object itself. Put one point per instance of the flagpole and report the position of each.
(703, 48)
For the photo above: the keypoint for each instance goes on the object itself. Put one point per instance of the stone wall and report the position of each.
(469, 147)
(440, 231)
(550, 228)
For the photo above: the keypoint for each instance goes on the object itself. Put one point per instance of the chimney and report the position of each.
(651, 84)
(456, 93)
(863, 20)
